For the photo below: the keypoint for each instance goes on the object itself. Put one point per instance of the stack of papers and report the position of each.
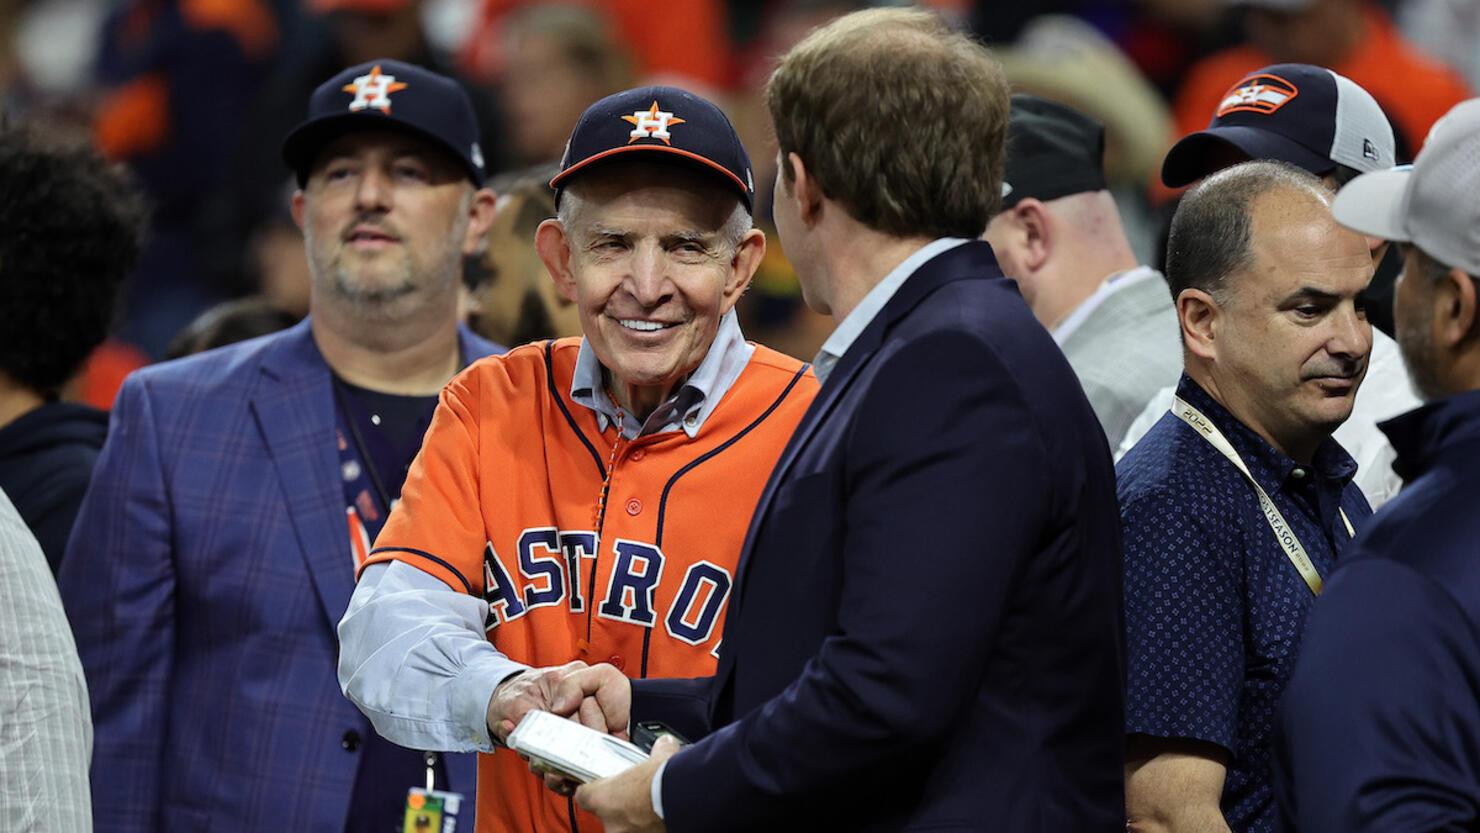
(570, 749)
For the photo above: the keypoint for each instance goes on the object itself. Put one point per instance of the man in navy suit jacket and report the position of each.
(925, 628)
(215, 551)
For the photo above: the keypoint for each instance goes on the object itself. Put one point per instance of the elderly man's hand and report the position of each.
(603, 698)
(536, 688)
(624, 802)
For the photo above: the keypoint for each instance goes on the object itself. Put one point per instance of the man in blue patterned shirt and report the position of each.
(1238, 502)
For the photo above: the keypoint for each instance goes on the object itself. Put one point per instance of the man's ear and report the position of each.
(1037, 232)
(804, 190)
(553, 246)
(1199, 315)
(1455, 313)
(747, 259)
(295, 205)
(480, 217)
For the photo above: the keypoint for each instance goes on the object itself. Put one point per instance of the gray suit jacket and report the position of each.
(1125, 349)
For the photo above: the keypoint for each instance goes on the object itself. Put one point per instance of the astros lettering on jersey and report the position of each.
(587, 545)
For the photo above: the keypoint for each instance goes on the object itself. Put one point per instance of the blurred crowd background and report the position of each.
(195, 97)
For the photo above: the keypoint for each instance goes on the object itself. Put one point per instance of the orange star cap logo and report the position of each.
(652, 123)
(373, 91)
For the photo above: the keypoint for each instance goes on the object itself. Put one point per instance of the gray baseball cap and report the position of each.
(1433, 203)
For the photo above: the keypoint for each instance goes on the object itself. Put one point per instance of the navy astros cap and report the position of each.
(388, 95)
(1305, 115)
(1052, 151)
(676, 123)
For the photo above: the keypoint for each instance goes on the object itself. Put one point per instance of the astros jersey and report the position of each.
(587, 545)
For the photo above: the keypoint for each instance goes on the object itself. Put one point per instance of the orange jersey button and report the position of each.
(617, 661)
(634, 506)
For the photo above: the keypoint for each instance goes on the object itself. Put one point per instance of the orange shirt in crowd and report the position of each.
(1412, 88)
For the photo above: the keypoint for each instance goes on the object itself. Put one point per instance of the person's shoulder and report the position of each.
(518, 366)
(1430, 528)
(986, 311)
(1163, 466)
(518, 373)
(766, 357)
(224, 368)
(776, 366)
(526, 357)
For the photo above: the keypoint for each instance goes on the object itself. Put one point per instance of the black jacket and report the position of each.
(46, 460)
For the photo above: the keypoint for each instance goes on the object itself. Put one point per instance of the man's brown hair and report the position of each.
(897, 117)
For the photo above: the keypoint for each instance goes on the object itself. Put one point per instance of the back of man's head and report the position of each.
(898, 118)
(71, 227)
(1059, 233)
(1211, 235)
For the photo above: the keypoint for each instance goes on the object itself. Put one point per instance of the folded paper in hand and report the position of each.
(570, 749)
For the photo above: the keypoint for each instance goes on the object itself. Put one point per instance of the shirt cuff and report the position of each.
(656, 791)
(471, 691)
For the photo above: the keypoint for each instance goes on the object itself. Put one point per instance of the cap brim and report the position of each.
(1372, 204)
(303, 145)
(1196, 155)
(563, 178)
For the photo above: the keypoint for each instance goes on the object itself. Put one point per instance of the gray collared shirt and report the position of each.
(45, 720)
(862, 315)
(688, 407)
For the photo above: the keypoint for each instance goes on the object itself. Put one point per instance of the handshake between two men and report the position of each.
(600, 698)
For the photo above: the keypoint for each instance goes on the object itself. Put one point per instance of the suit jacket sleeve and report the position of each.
(1379, 728)
(118, 583)
(680, 704)
(942, 479)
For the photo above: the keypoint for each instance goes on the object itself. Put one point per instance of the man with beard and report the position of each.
(239, 488)
(1380, 726)
(1236, 504)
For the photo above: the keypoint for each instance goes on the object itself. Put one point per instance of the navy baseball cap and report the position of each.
(681, 126)
(1052, 151)
(1305, 115)
(388, 95)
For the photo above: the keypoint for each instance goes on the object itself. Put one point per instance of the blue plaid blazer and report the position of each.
(208, 568)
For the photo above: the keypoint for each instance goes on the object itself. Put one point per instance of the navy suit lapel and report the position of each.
(969, 260)
(293, 403)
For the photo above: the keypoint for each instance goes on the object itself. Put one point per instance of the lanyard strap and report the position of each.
(1294, 550)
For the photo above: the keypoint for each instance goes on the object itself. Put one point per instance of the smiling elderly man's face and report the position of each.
(653, 257)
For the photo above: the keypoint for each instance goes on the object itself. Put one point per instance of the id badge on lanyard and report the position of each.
(431, 810)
